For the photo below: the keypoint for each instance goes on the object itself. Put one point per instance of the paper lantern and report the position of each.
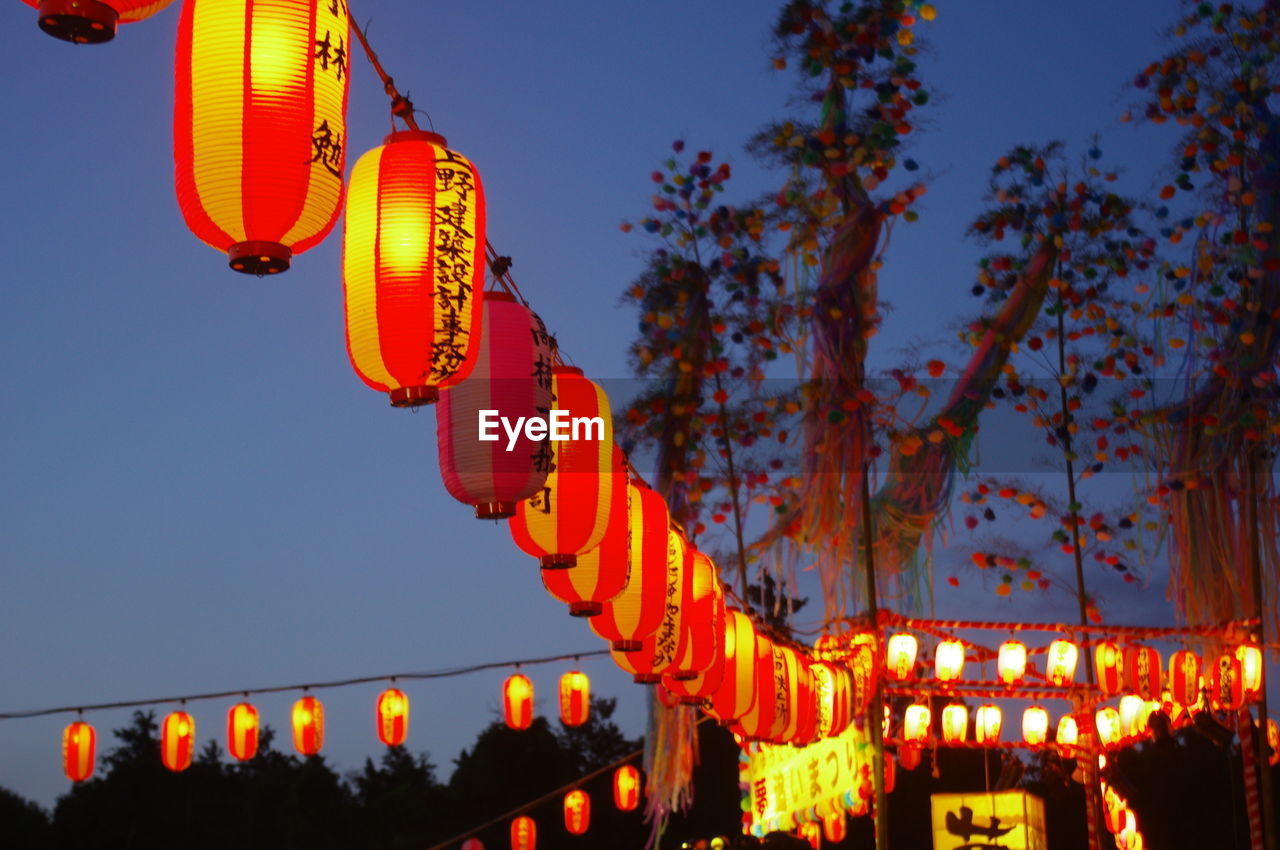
(524, 833)
(1011, 662)
(78, 744)
(517, 701)
(473, 844)
(915, 724)
(577, 812)
(986, 724)
(1226, 682)
(637, 612)
(91, 21)
(811, 834)
(575, 698)
(660, 651)
(260, 125)
(698, 690)
(758, 720)
(571, 513)
(1184, 677)
(864, 676)
(900, 656)
(908, 757)
(955, 723)
(1035, 726)
(703, 620)
(1109, 667)
(1060, 665)
(949, 660)
(413, 263)
(1133, 716)
(1273, 741)
(510, 382)
(791, 671)
(626, 788)
(1068, 736)
(1250, 657)
(833, 689)
(308, 726)
(806, 705)
(392, 715)
(1142, 671)
(600, 574)
(1107, 723)
(242, 731)
(835, 826)
(736, 693)
(177, 740)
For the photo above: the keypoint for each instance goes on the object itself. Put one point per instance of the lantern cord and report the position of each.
(340, 683)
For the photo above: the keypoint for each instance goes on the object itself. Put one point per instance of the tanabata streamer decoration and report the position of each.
(308, 726)
(177, 740)
(637, 612)
(511, 376)
(626, 788)
(662, 650)
(575, 698)
(577, 812)
(78, 744)
(524, 833)
(392, 715)
(517, 701)
(569, 516)
(260, 125)
(600, 574)
(242, 731)
(413, 267)
(91, 21)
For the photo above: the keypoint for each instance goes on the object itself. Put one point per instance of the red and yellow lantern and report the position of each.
(900, 656)
(512, 377)
(577, 811)
(986, 724)
(602, 573)
(757, 722)
(637, 612)
(1133, 716)
(789, 681)
(811, 833)
(1035, 726)
(835, 826)
(1068, 736)
(698, 690)
(662, 650)
(1142, 671)
(1060, 665)
(703, 605)
(260, 125)
(524, 833)
(1184, 677)
(955, 723)
(1011, 662)
(737, 690)
(864, 675)
(1108, 725)
(1250, 657)
(242, 731)
(177, 740)
(575, 698)
(915, 724)
(91, 21)
(833, 689)
(392, 715)
(413, 263)
(308, 725)
(78, 744)
(517, 701)
(949, 660)
(1226, 682)
(473, 844)
(1109, 667)
(1273, 741)
(570, 515)
(626, 788)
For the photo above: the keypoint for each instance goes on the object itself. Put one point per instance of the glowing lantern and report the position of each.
(577, 811)
(626, 788)
(1011, 663)
(1060, 666)
(1068, 736)
(864, 676)
(637, 612)
(78, 744)
(915, 724)
(758, 720)
(832, 686)
(955, 723)
(242, 731)
(260, 125)
(1142, 671)
(697, 690)
(949, 660)
(473, 844)
(1133, 716)
(575, 698)
(517, 701)
(91, 21)
(794, 681)
(524, 833)
(511, 376)
(601, 574)
(177, 740)
(900, 656)
(392, 714)
(308, 726)
(1109, 666)
(1184, 677)
(1035, 726)
(986, 724)
(705, 617)
(908, 757)
(1226, 682)
(1273, 741)
(661, 651)
(1108, 724)
(835, 826)
(737, 691)
(1250, 657)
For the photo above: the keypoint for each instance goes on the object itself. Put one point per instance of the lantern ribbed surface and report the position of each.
(703, 603)
(79, 742)
(575, 698)
(1184, 677)
(260, 125)
(391, 714)
(413, 267)
(308, 726)
(662, 650)
(696, 689)
(600, 574)
(177, 740)
(242, 731)
(757, 722)
(832, 685)
(91, 21)
(517, 702)
(736, 693)
(512, 377)
(637, 612)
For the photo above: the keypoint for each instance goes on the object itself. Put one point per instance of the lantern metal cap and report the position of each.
(559, 561)
(627, 645)
(415, 136)
(566, 370)
(499, 295)
(78, 21)
(585, 608)
(685, 675)
(258, 257)
(495, 510)
(413, 396)
(646, 678)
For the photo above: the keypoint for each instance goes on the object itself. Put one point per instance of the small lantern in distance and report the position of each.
(78, 744)
(1250, 657)
(308, 725)
(900, 656)
(1035, 726)
(1226, 682)
(1273, 741)
(91, 21)
(577, 812)
(1184, 677)
(949, 660)
(1011, 663)
(986, 725)
(517, 702)
(626, 788)
(575, 698)
(1068, 736)
(524, 833)
(955, 723)
(915, 724)
(1107, 722)
(1109, 660)
(242, 731)
(1060, 666)
(392, 715)
(177, 740)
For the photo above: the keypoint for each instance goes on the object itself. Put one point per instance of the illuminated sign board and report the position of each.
(789, 784)
(999, 820)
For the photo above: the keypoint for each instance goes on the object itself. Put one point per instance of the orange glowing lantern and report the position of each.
(626, 788)
(78, 744)
(758, 720)
(524, 833)
(864, 676)
(835, 826)
(308, 726)
(949, 660)
(1273, 741)
(1142, 671)
(1060, 666)
(833, 688)
(915, 724)
(473, 844)
(1108, 724)
(91, 21)
(794, 683)
(811, 833)
(1068, 737)
(575, 698)
(1133, 716)
(242, 731)
(698, 690)
(737, 691)
(1184, 677)
(177, 740)
(900, 656)
(392, 714)
(955, 723)
(1250, 657)
(601, 574)
(661, 651)
(986, 724)
(1035, 726)
(1109, 666)
(1226, 682)
(908, 757)
(703, 604)
(637, 612)
(260, 125)
(1011, 662)
(577, 811)
(517, 701)
(511, 376)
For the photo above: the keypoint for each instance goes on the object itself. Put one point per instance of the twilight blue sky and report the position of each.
(198, 493)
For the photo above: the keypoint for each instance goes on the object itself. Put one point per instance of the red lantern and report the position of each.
(737, 690)
(758, 720)
(637, 612)
(177, 740)
(1142, 671)
(473, 844)
(810, 833)
(791, 677)
(91, 21)
(524, 833)
(1060, 666)
(626, 788)
(806, 705)
(1226, 682)
(833, 691)
(1273, 741)
(698, 690)
(1109, 665)
(703, 620)
(661, 651)
(1184, 677)
(575, 698)
(308, 726)
(577, 812)
(908, 757)
(601, 574)
(512, 377)
(1250, 657)
(834, 826)
(392, 714)
(571, 513)
(78, 744)
(242, 731)
(260, 125)
(517, 702)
